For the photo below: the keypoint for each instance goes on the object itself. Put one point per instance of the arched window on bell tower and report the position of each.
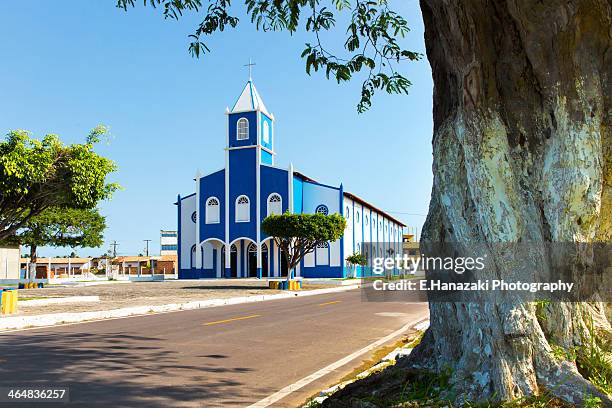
(242, 129)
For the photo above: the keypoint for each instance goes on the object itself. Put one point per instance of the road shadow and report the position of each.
(115, 369)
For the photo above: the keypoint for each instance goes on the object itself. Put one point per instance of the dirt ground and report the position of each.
(114, 295)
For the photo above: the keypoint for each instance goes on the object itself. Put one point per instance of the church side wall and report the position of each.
(187, 230)
(323, 262)
(370, 233)
(298, 194)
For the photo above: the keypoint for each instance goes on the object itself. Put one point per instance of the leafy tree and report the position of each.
(62, 228)
(355, 260)
(372, 35)
(36, 175)
(299, 234)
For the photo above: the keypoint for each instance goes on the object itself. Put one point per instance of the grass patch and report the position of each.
(394, 387)
(544, 400)
(32, 298)
(594, 361)
(404, 388)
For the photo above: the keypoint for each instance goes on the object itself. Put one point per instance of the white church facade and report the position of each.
(219, 225)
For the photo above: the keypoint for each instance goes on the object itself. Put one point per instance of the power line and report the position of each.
(147, 247)
(114, 245)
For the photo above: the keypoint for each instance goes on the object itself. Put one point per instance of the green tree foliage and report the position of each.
(63, 227)
(299, 234)
(372, 35)
(36, 175)
(357, 259)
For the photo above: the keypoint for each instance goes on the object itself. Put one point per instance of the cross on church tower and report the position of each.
(250, 65)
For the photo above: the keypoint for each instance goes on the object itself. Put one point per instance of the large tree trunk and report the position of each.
(33, 260)
(522, 152)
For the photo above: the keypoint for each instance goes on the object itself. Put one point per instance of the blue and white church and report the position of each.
(219, 226)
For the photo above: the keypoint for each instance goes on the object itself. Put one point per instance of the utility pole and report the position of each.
(147, 247)
(114, 245)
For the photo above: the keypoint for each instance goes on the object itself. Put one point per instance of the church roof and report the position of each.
(354, 198)
(250, 100)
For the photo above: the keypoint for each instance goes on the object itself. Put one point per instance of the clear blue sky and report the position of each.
(68, 66)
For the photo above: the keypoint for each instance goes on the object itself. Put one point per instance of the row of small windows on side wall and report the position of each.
(243, 213)
(242, 130)
(366, 220)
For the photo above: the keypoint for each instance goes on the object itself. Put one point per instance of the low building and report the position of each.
(411, 247)
(168, 242)
(146, 265)
(9, 262)
(53, 268)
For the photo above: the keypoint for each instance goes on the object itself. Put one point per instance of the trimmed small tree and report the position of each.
(355, 260)
(299, 234)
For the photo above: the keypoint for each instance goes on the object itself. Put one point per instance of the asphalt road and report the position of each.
(230, 356)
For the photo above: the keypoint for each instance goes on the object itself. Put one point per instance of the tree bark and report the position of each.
(522, 153)
(32, 264)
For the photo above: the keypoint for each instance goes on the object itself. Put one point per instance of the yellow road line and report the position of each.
(231, 320)
(329, 303)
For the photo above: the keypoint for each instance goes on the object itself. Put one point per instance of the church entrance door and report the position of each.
(264, 261)
(233, 262)
(252, 261)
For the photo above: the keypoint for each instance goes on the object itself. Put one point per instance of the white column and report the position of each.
(238, 258)
(198, 262)
(219, 272)
(290, 187)
(258, 190)
(227, 203)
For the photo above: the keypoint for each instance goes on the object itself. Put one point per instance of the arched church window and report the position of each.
(357, 216)
(322, 209)
(275, 204)
(266, 132)
(212, 210)
(243, 211)
(194, 216)
(242, 129)
(322, 253)
(193, 256)
(348, 212)
(366, 220)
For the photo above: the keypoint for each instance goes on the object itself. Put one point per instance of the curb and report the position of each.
(389, 360)
(22, 322)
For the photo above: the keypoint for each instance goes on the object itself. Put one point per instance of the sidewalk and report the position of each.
(25, 320)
